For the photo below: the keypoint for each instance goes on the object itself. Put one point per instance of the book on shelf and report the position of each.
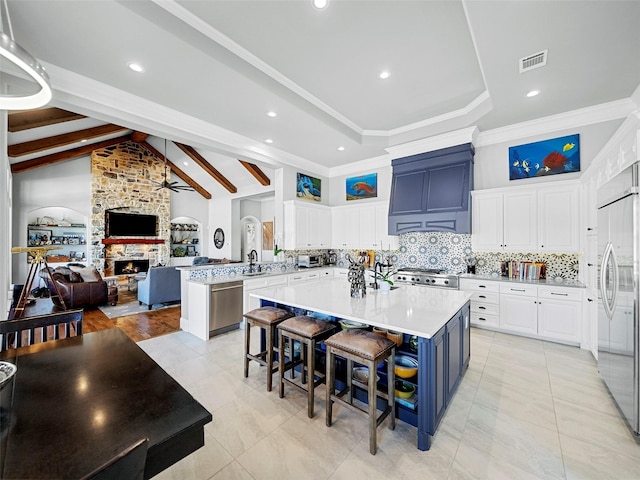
(524, 270)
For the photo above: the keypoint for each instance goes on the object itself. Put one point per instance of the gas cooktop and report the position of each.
(431, 277)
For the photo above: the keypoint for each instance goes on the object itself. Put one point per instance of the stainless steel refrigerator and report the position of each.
(618, 257)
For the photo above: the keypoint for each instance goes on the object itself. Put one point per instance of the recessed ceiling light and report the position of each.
(341, 149)
(185, 163)
(272, 114)
(384, 75)
(83, 140)
(268, 140)
(320, 4)
(533, 93)
(136, 67)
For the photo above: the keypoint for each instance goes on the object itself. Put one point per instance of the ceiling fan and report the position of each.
(173, 186)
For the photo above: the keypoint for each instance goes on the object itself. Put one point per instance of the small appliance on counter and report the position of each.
(309, 261)
(332, 258)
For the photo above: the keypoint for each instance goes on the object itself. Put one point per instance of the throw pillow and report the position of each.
(89, 274)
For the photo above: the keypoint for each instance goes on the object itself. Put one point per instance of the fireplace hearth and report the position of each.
(124, 267)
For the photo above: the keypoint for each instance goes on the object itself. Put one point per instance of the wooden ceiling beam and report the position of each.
(199, 159)
(256, 172)
(66, 155)
(26, 119)
(42, 144)
(139, 137)
(180, 173)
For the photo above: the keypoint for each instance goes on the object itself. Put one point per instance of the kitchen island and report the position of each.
(439, 318)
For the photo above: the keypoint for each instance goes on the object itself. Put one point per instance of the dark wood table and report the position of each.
(79, 401)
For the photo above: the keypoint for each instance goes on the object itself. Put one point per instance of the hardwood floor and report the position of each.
(141, 326)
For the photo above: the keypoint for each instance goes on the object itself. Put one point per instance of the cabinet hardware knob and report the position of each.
(589, 229)
(589, 264)
(589, 299)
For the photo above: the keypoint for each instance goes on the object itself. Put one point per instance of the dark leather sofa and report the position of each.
(76, 292)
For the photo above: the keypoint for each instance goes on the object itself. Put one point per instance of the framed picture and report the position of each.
(39, 237)
(308, 188)
(191, 251)
(547, 157)
(267, 235)
(364, 186)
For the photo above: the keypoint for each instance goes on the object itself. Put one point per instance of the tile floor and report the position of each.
(526, 409)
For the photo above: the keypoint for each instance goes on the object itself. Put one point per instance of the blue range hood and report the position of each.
(431, 192)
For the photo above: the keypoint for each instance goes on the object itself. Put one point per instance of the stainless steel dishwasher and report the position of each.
(225, 307)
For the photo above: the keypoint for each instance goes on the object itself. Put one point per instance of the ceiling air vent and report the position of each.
(533, 61)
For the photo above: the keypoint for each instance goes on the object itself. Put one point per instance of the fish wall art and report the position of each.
(364, 186)
(547, 157)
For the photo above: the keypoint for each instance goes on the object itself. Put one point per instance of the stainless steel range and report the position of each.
(427, 277)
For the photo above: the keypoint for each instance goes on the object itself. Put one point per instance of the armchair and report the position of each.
(161, 285)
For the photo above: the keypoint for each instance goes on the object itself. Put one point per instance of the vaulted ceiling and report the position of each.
(214, 69)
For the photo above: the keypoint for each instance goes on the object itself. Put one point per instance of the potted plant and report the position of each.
(385, 280)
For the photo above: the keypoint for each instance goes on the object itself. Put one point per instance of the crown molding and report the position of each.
(576, 118)
(84, 95)
(361, 165)
(449, 139)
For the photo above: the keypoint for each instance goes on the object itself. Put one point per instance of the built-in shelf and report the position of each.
(123, 241)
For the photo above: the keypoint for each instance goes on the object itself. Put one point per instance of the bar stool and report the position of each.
(368, 349)
(267, 318)
(308, 331)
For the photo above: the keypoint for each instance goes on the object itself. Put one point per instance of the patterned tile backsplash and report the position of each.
(439, 250)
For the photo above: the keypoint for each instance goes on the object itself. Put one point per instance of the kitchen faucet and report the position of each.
(253, 256)
(375, 275)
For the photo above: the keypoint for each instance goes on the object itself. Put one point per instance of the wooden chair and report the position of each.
(127, 464)
(22, 331)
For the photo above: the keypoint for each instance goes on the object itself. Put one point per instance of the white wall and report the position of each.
(6, 278)
(64, 184)
(491, 162)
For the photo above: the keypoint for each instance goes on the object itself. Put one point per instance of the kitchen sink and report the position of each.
(253, 274)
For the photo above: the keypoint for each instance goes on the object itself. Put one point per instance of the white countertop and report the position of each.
(415, 310)
(549, 282)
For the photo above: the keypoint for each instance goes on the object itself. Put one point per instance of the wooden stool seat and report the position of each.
(267, 318)
(308, 331)
(368, 349)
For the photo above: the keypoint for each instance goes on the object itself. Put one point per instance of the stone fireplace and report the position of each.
(122, 179)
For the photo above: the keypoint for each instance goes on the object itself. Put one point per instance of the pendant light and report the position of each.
(18, 63)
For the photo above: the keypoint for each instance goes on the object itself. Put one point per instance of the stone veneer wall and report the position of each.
(121, 178)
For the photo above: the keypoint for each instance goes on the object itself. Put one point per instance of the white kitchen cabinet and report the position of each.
(386, 241)
(303, 276)
(504, 221)
(558, 219)
(560, 313)
(252, 284)
(306, 227)
(360, 227)
(547, 312)
(531, 219)
(485, 302)
(518, 308)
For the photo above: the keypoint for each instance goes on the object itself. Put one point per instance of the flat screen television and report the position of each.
(130, 225)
